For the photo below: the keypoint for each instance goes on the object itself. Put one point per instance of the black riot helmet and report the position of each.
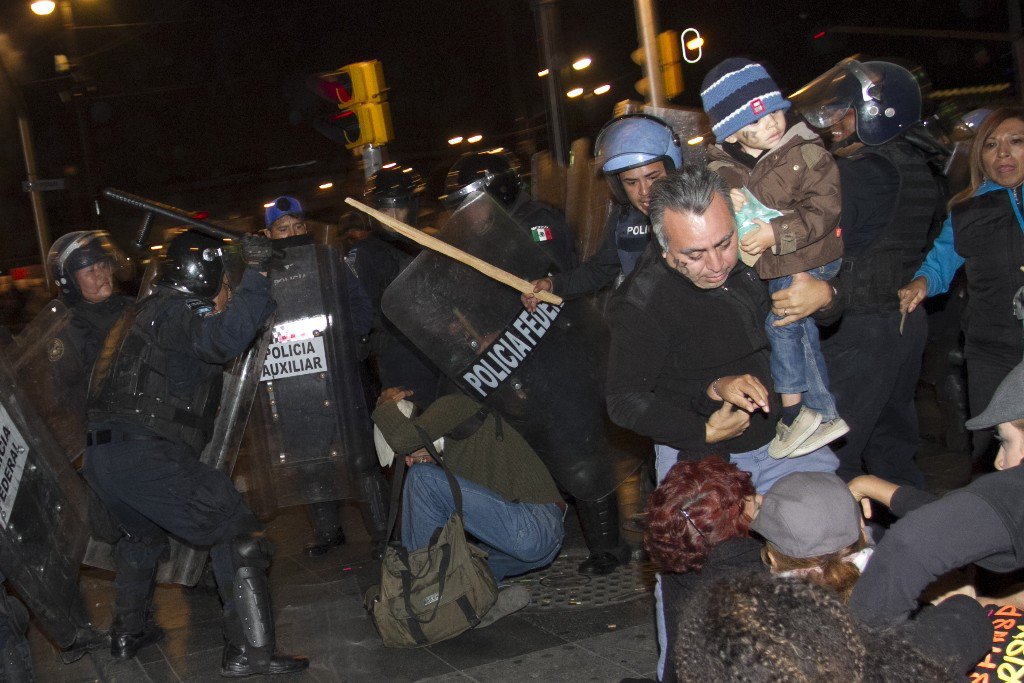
(395, 187)
(194, 264)
(884, 97)
(481, 171)
(74, 251)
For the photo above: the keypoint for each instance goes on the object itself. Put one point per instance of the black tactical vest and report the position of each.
(130, 381)
(893, 258)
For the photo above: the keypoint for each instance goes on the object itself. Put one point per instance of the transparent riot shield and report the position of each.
(184, 564)
(53, 376)
(310, 432)
(543, 371)
(43, 514)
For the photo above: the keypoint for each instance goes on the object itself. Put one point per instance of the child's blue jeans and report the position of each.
(797, 364)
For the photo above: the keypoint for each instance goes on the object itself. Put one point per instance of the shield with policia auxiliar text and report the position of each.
(184, 562)
(542, 371)
(43, 514)
(310, 424)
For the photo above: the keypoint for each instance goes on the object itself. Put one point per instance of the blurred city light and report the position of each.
(496, 150)
(694, 43)
(325, 186)
(575, 92)
(542, 73)
(602, 89)
(390, 164)
(473, 139)
(695, 141)
(43, 7)
(268, 205)
(455, 140)
(582, 63)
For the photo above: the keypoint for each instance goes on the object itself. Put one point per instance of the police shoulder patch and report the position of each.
(199, 306)
(54, 350)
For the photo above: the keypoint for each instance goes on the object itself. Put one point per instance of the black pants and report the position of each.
(873, 372)
(153, 488)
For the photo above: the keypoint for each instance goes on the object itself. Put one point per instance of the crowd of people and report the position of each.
(764, 333)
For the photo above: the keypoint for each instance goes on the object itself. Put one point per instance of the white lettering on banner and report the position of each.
(510, 350)
(294, 358)
(13, 454)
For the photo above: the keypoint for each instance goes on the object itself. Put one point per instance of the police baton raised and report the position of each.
(473, 262)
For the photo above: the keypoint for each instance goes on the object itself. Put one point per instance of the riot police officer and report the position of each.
(493, 173)
(152, 406)
(634, 150)
(306, 428)
(890, 198)
(378, 259)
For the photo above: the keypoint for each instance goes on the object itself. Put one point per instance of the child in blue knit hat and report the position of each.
(785, 167)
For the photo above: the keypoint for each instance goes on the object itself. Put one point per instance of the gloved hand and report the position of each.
(256, 251)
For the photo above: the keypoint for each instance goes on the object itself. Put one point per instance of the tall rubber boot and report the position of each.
(249, 621)
(327, 532)
(373, 489)
(599, 520)
(134, 625)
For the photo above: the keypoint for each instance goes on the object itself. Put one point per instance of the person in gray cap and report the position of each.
(982, 523)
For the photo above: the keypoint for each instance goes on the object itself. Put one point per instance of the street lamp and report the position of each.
(542, 73)
(455, 140)
(575, 92)
(582, 63)
(43, 7)
(602, 89)
(473, 139)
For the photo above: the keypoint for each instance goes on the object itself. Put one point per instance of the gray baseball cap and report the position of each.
(806, 514)
(1007, 403)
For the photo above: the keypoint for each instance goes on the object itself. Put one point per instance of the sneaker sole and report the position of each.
(823, 440)
(798, 440)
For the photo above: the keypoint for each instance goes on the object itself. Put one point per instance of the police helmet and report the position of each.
(635, 140)
(967, 125)
(884, 97)
(481, 171)
(395, 187)
(194, 264)
(74, 251)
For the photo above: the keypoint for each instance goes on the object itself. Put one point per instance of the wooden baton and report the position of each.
(434, 244)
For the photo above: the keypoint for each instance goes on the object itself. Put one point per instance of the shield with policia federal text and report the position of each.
(310, 426)
(541, 371)
(43, 513)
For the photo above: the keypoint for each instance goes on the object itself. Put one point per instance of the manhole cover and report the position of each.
(560, 586)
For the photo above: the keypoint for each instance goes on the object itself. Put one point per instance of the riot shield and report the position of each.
(542, 371)
(184, 564)
(53, 376)
(43, 513)
(310, 430)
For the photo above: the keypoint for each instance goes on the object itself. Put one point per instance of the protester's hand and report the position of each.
(743, 391)
(393, 394)
(738, 199)
(802, 298)
(542, 285)
(757, 241)
(417, 457)
(725, 423)
(867, 488)
(912, 294)
(256, 252)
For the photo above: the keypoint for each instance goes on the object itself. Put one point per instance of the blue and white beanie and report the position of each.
(737, 93)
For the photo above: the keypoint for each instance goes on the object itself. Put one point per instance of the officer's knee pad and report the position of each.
(252, 549)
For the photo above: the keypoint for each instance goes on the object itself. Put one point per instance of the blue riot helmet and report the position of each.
(635, 140)
(884, 97)
(194, 264)
(75, 251)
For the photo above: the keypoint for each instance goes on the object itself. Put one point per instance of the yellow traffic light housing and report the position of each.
(670, 65)
(359, 92)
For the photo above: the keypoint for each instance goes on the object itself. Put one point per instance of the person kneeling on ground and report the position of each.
(510, 503)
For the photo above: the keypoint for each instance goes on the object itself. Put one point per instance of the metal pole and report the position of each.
(647, 36)
(80, 102)
(31, 172)
(545, 14)
(1013, 7)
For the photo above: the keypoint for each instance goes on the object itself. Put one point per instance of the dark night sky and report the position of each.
(197, 90)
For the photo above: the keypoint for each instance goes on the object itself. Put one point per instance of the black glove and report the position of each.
(256, 251)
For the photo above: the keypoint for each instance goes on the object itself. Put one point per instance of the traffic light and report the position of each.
(670, 58)
(358, 91)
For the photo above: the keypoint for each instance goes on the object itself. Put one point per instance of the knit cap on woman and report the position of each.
(737, 93)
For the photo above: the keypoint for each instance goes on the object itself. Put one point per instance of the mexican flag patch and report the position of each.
(541, 233)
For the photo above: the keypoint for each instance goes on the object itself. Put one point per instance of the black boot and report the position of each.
(373, 489)
(599, 520)
(249, 622)
(134, 624)
(327, 533)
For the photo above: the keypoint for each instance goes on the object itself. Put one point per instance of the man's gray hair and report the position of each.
(689, 190)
